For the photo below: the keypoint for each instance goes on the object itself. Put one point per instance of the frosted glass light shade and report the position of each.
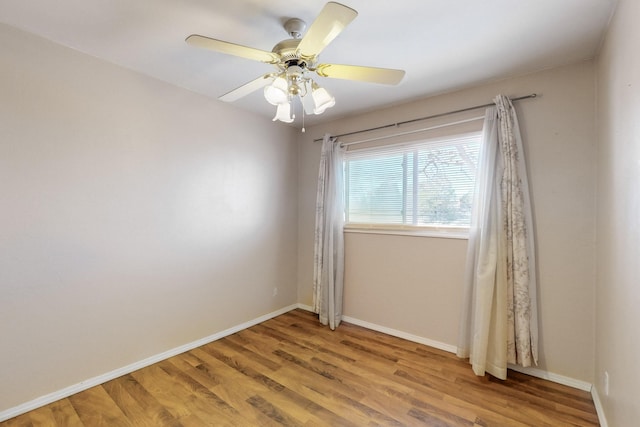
(277, 92)
(283, 113)
(322, 100)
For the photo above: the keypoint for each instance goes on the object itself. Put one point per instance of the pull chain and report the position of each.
(302, 104)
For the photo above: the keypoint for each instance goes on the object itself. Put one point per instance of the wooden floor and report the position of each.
(291, 371)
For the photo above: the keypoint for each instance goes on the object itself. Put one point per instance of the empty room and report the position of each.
(319, 213)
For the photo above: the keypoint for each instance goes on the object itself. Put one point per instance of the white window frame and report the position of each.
(454, 232)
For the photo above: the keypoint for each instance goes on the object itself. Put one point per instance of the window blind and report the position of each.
(423, 183)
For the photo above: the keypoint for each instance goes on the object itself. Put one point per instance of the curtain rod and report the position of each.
(533, 95)
(410, 132)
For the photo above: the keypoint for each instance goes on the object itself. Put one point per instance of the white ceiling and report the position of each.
(442, 44)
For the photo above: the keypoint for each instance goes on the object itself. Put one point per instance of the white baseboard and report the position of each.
(560, 379)
(599, 409)
(394, 332)
(100, 379)
(305, 307)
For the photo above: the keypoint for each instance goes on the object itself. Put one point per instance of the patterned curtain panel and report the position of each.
(328, 268)
(499, 323)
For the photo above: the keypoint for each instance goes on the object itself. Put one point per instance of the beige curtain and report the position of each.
(328, 269)
(499, 323)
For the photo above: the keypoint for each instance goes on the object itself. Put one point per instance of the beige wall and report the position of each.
(136, 217)
(618, 220)
(421, 295)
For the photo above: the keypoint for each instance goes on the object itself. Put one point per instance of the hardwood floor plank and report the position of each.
(260, 383)
(154, 411)
(291, 371)
(202, 373)
(272, 412)
(183, 398)
(381, 398)
(229, 342)
(324, 395)
(64, 414)
(43, 417)
(277, 392)
(194, 387)
(158, 384)
(289, 338)
(123, 399)
(344, 399)
(484, 416)
(234, 363)
(23, 420)
(96, 408)
(496, 403)
(544, 406)
(432, 420)
(566, 397)
(367, 397)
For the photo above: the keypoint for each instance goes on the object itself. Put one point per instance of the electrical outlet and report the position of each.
(605, 381)
(275, 291)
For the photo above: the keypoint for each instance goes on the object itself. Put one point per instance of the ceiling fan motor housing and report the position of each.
(288, 51)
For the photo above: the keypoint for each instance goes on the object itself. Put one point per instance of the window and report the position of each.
(412, 186)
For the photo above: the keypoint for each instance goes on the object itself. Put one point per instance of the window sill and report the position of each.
(433, 232)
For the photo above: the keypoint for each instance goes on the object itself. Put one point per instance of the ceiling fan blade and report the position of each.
(333, 18)
(247, 88)
(233, 49)
(385, 76)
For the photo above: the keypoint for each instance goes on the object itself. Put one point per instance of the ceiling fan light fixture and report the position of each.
(321, 99)
(295, 59)
(283, 113)
(277, 92)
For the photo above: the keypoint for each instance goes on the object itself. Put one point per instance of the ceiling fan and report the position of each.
(295, 59)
